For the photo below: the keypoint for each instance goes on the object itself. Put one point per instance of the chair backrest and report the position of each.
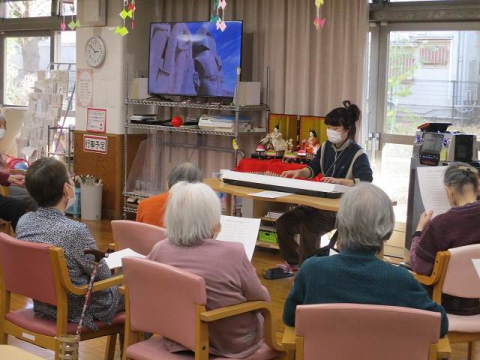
(137, 236)
(163, 299)
(365, 332)
(27, 269)
(461, 278)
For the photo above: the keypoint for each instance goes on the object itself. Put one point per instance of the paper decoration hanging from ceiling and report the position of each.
(64, 5)
(319, 22)
(127, 12)
(219, 7)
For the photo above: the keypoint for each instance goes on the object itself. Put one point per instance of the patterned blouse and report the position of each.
(50, 226)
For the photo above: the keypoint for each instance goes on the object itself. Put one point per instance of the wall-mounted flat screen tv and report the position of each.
(194, 58)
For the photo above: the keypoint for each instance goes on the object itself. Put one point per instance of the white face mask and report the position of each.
(2, 133)
(71, 201)
(336, 137)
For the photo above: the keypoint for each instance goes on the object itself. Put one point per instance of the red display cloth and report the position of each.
(270, 167)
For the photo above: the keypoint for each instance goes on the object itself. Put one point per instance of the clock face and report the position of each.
(95, 51)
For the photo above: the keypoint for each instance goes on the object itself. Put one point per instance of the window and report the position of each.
(433, 76)
(430, 73)
(435, 53)
(23, 57)
(25, 9)
(26, 48)
(66, 47)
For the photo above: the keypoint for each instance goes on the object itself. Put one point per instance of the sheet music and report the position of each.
(114, 259)
(270, 194)
(242, 230)
(476, 263)
(432, 190)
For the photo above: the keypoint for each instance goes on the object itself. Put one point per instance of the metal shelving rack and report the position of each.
(168, 130)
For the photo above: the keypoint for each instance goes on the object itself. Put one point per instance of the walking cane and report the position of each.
(69, 343)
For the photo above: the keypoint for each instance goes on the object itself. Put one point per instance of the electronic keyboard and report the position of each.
(294, 186)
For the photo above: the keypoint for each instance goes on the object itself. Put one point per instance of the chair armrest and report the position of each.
(97, 286)
(443, 347)
(270, 337)
(289, 338)
(425, 280)
(233, 310)
(121, 290)
(439, 269)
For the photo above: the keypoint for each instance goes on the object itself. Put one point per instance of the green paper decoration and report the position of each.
(124, 14)
(74, 24)
(121, 30)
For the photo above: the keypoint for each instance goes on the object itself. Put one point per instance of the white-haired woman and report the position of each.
(459, 226)
(365, 220)
(192, 221)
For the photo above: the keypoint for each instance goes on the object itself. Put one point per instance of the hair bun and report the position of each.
(347, 104)
(352, 110)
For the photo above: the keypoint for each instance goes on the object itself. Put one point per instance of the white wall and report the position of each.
(109, 80)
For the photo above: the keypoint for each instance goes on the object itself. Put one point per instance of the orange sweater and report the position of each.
(152, 210)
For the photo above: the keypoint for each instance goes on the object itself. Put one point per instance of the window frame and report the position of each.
(46, 26)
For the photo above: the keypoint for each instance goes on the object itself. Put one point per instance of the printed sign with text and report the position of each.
(97, 144)
(97, 120)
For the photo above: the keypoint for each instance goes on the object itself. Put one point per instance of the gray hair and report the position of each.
(184, 172)
(460, 177)
(3, 119)
(365, 219)
(193, 212)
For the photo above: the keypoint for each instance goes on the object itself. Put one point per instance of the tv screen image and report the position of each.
(194, 58)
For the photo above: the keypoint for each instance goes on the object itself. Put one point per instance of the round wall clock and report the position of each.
(95, 52)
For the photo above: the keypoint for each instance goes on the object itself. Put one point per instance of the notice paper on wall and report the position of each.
(242, 230)
(476, 263)
(114, 259)
(434, 195)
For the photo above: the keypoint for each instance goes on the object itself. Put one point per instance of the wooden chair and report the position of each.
(364, 332)
(454, 274)
(139, 237)
(8, 225)
(39, 271)
(171, 302)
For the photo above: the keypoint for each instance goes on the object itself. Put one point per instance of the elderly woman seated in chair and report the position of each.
(365, 220)
(50, 184)
(457, 227)
(192, 221)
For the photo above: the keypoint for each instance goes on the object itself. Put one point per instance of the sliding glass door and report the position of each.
(419, 73)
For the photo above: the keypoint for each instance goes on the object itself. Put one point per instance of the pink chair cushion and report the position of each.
(163, 299)
(27, 319)
(137, 236)
(466, 324)
(461, 278)
(20, 261)
(365, 332)
(156, 348)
